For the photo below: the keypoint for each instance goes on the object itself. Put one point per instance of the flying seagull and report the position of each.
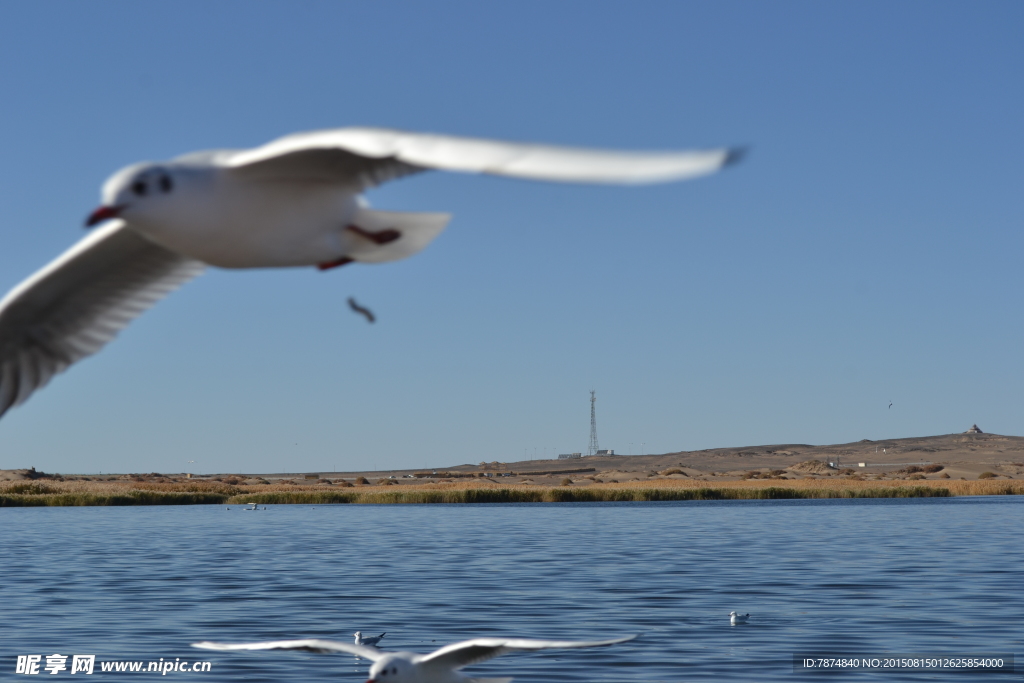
(295, 201)
(890, 405)
(370, 640)
(439, 666)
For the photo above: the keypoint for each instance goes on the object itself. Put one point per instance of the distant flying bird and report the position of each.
(361, 310)
(439, 666)
(371, 640)
(296, 201)
(735, 618)
(890, 405)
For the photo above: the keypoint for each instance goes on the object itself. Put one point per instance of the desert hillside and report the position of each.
(949, 456)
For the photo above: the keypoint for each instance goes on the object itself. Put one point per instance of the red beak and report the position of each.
(101, 214)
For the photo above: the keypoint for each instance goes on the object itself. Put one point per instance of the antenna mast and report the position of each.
(593, 448)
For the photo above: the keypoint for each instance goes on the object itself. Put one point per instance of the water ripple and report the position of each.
(866, 576)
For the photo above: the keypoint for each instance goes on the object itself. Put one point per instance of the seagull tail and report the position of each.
(382, 236)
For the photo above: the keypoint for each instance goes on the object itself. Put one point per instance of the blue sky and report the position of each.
(867, 251)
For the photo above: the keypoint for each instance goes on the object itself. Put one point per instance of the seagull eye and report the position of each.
(165, 183)
(139, 188)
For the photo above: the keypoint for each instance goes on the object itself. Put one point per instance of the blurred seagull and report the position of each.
(371, 641)
(735, 618)
(295, 201)
(439, 666)
(890, 405)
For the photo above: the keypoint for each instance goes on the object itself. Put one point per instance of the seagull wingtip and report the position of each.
(735, 155)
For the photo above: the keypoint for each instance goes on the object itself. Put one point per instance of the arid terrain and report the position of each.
(962, 456)
(962, 464)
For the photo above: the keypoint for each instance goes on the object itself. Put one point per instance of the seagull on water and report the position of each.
(371, 640)
(439, 666)
(293, 202)
(735, 618)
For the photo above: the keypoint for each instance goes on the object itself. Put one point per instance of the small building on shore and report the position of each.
(974, 430)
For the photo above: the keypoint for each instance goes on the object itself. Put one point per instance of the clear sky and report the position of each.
(868, 250)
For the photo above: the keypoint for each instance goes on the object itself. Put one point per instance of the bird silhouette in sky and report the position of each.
(362, 310)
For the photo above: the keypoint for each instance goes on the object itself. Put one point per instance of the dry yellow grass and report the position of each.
(957, 488)
(76, 492)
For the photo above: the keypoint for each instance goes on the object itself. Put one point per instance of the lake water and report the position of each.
(942, 576)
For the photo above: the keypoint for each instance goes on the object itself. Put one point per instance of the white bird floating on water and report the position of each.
(295, 201)
(370, 640)
(735, 618)
(439, 666)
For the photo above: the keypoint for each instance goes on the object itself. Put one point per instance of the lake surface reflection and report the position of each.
(844, 576)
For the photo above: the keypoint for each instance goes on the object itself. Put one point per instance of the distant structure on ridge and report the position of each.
(593, 448)
(973, 430)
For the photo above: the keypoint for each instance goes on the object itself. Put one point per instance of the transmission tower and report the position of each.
(593, 448)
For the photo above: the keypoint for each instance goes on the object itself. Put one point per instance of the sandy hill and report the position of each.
(963, 456)
(970, 452)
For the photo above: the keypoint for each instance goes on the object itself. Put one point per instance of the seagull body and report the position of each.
(371, 640)
(735, 618)
(228, 218)
(296, 201)
(439, 666)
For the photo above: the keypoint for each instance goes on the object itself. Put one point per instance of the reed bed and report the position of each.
(590, 494)
(128, 498)
(955, 487)
(71, 493)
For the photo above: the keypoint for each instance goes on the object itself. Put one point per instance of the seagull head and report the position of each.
(134, 190)
(392, 668)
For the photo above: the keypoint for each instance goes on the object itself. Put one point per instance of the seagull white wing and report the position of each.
(370, 156)
(308, 645)
(458, 655)
(80, 301)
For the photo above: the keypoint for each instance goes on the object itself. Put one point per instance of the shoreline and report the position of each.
(73, 494)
